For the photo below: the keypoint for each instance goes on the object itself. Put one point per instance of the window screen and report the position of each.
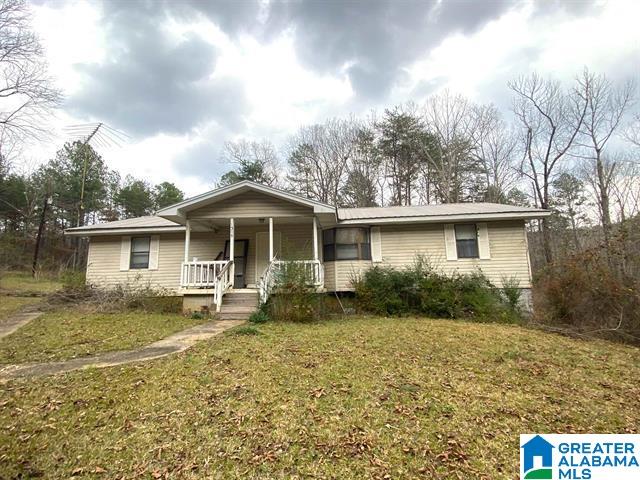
(467, 241)
(140, 252)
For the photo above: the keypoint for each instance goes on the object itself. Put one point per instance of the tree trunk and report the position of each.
(36, 250)
(546, 241)
(604, 200)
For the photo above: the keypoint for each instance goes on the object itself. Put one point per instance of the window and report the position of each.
(140, 252)
(467, 241)
(346, 244)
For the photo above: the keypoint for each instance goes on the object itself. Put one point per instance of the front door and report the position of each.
(262, 251)
(240, 251)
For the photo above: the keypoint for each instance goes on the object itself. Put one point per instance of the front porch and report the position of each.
(224, 255)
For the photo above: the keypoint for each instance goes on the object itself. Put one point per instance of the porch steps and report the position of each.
(238, 305)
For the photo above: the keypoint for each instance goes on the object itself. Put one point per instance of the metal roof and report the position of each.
(346, 216)
(441, 210)
(138, 223)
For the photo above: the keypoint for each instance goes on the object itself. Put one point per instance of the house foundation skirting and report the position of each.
(526, 300)
(197, 303)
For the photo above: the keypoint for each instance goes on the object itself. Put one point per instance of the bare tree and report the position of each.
(632, 131)
(550, 120)
(318, 159)
(625, 187)
(256, 161)
(452, 166)
(606, 106)
(495, 148)
(26, 92)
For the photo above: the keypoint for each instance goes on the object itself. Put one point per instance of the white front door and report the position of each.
(262, 251)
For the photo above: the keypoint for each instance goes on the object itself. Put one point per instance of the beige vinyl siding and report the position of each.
(402, 243)
(251, 205)
(103, 263)
(330, 276)
(507, 244)
(346, 271)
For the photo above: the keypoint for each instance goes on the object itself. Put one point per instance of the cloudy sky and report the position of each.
(181, 77)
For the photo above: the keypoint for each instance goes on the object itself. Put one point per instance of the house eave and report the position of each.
(467, 217)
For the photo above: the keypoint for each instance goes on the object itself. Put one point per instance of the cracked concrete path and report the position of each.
(178, 342)
(15, 321)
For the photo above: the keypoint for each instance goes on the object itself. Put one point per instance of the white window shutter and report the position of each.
(483, 241)
(376, 244)
(450, 241)
(154, 251)
(125, 253)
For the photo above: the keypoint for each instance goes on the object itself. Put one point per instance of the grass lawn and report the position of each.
(11, 305)
(23, 282)
(349, 399)
(22, 288)
(68, 334)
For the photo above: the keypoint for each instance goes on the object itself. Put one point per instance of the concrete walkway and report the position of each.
(15, 321)
(178, 342)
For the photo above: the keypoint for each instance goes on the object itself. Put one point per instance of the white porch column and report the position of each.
(270, 239)
(315, 238)
(187, 240)
(232, 244)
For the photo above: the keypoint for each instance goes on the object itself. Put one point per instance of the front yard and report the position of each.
(70, 333)
(19, 290)
(354, 398)
(23, 282)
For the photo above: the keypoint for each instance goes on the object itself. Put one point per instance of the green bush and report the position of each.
(421, 290)
(259, 316)
(511, 291)
(244, 330)
(73, 280)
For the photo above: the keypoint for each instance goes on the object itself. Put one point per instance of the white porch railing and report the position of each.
(266, 282)
(224, 282)
(201, 274)
(312, 270)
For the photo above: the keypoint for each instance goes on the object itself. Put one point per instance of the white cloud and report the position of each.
(283, 94)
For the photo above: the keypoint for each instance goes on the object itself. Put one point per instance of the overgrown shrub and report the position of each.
(589, 294)
(511, 291)
(296, 300)
(424, 291)
(73, 280)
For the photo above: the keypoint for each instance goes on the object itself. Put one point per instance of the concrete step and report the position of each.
(238, 305)
(241, 295)
(227, 298)
(233, 309)
(232, 316)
